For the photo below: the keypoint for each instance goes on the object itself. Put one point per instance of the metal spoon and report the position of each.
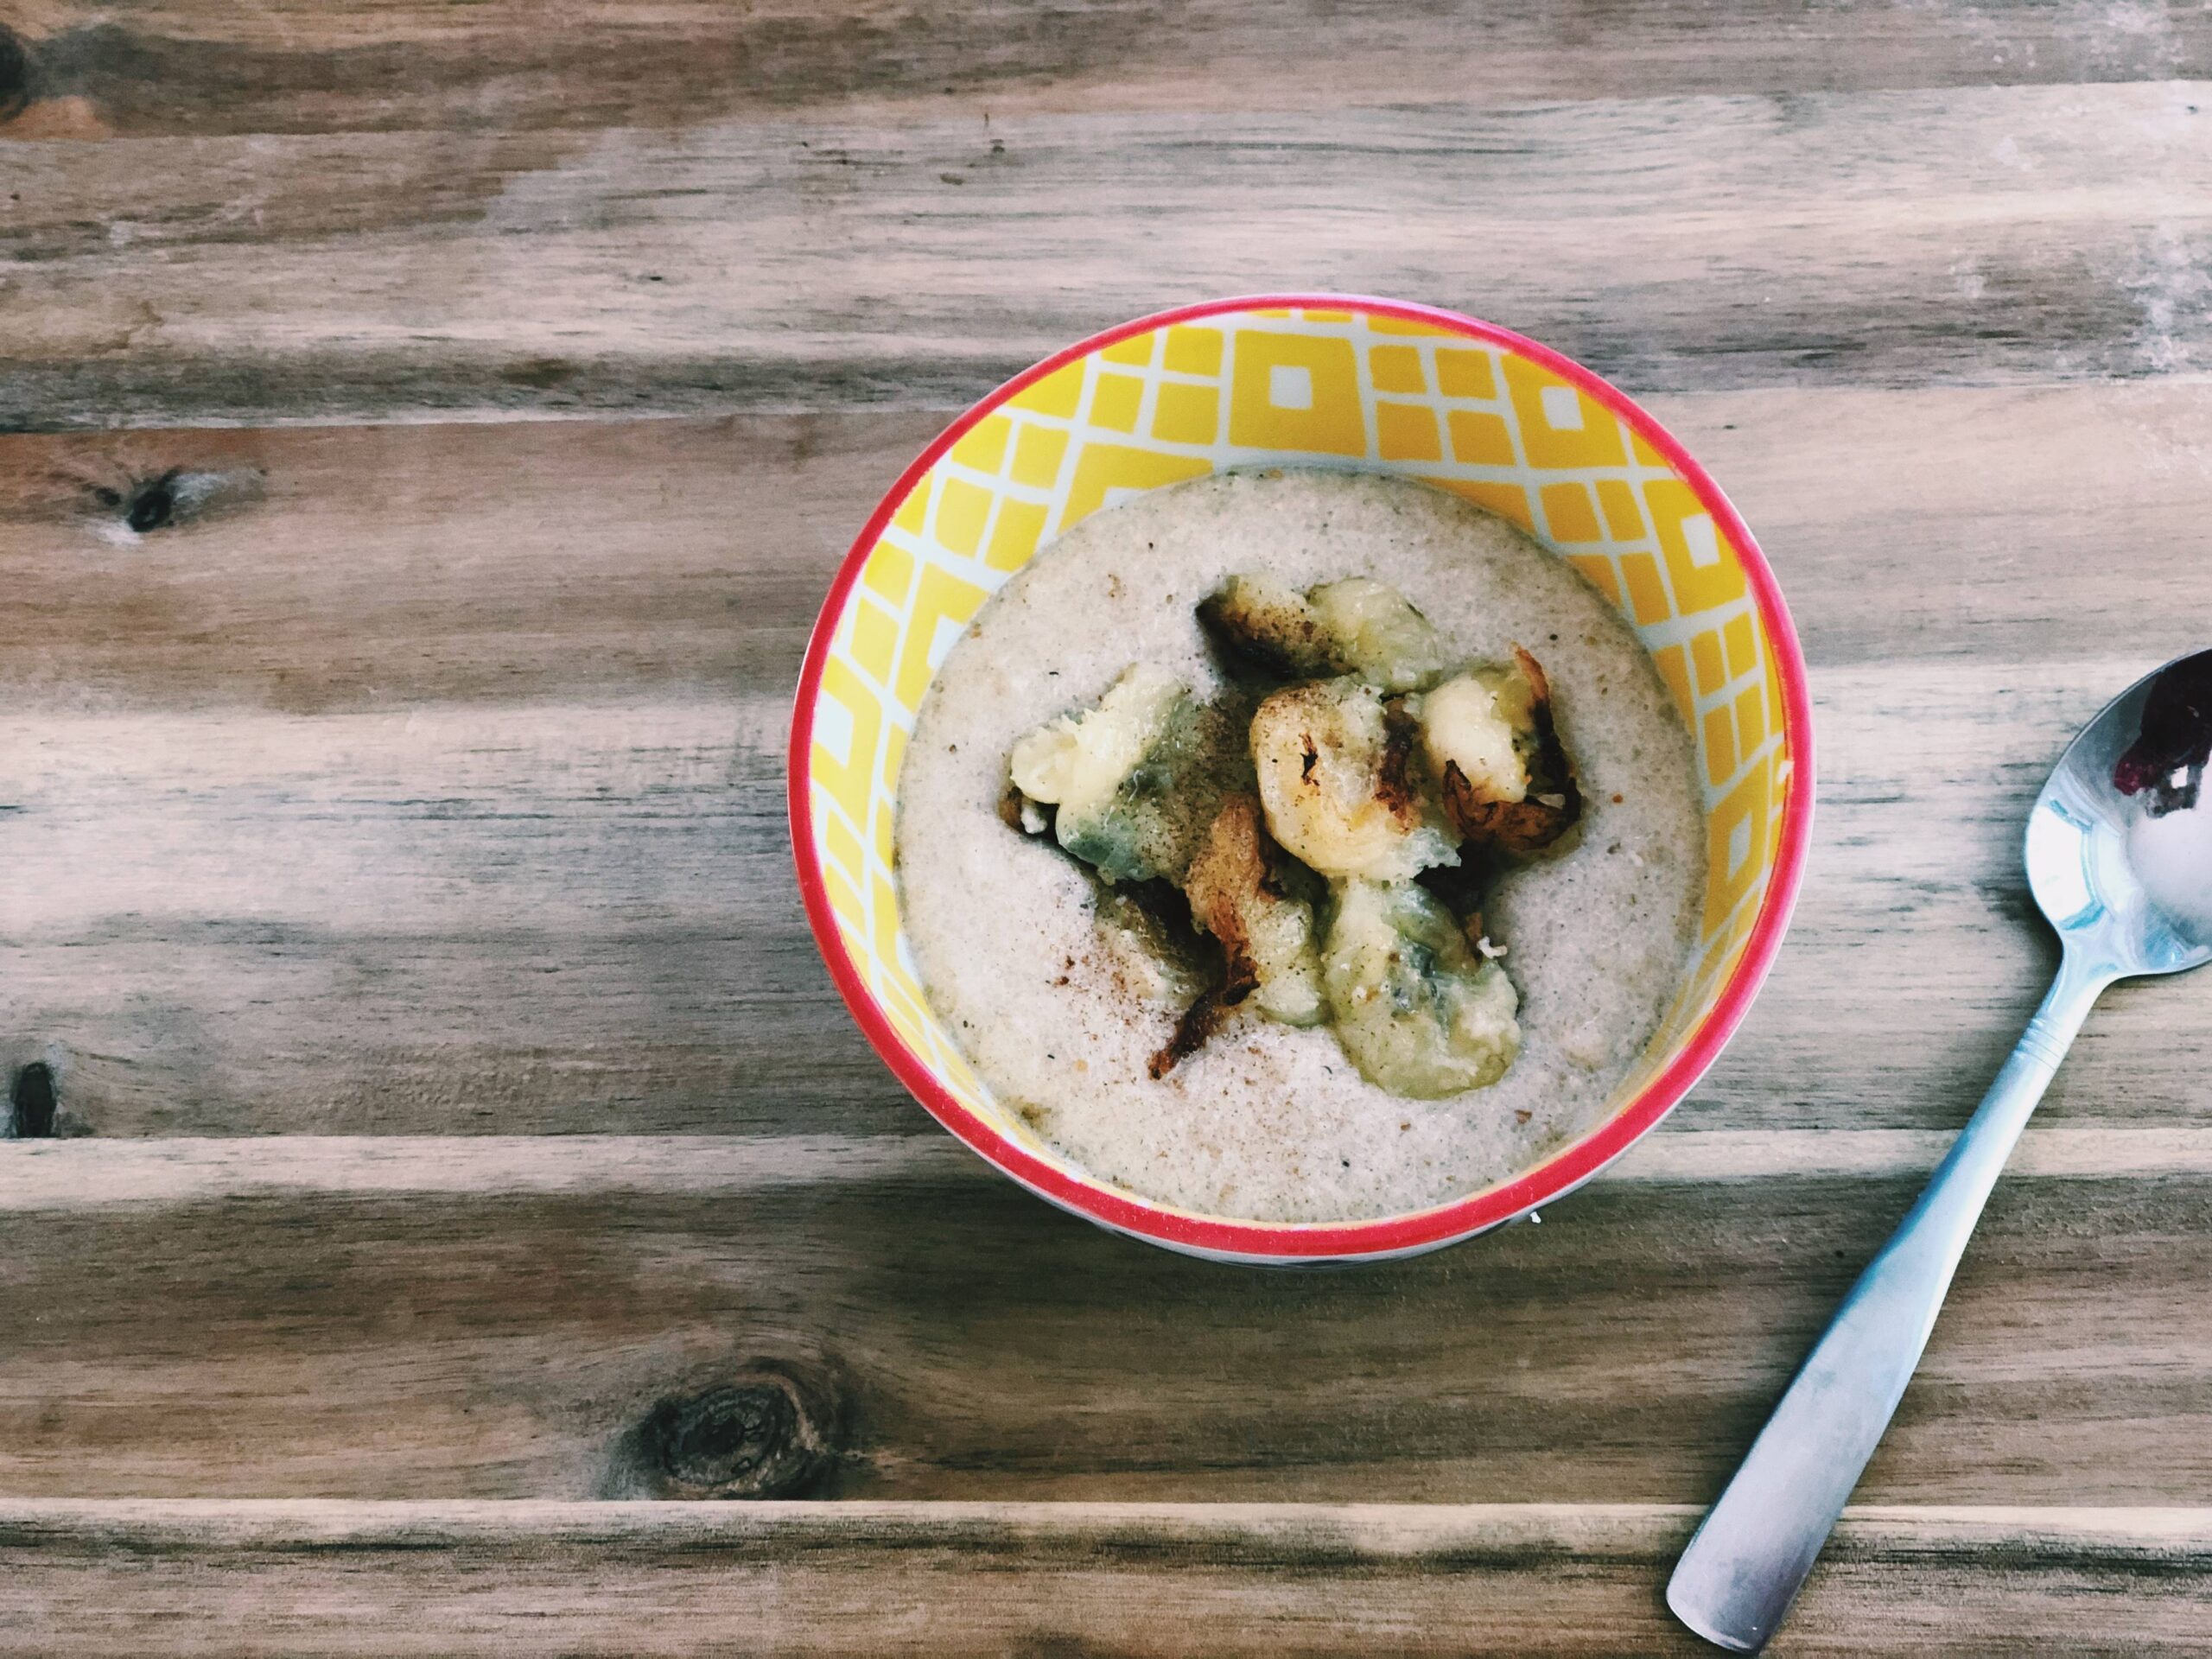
(2119, 860)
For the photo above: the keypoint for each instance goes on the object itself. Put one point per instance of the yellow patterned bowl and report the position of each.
(1303, 381)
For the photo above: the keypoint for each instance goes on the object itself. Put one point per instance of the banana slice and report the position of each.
(1416, 1010)
(1156, 956)
(1335, 769)
(1238, 895)
(1134, 782)
(1489, 742)
(1358, 626)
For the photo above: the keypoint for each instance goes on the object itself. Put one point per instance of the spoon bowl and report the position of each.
(2126, 875)
(2119, 860)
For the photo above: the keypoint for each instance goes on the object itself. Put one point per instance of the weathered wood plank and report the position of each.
(182, 67)
(479, 918)
(484, 919)
(1035, 1578)
(361, 568)
(1906, 238)
(922, 1329)
(365, 568)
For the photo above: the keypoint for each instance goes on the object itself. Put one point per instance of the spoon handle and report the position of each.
(1742, 1570)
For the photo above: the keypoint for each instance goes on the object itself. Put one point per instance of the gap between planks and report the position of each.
(2180, 1534)
(91, 1174)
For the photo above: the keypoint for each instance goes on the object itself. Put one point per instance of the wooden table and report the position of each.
(431, 430)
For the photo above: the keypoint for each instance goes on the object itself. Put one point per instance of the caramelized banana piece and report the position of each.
(1489, 738)
(1357, 627)
(1132, 783)
(1416, 1010)
(1382, 638)
(1157, 955)
(1271, 626)
(1335, 770)
(1199, 1022)
(1463, 889)
(1240, 892)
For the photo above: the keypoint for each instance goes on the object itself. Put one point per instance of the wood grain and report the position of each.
(1899, 239)
(489, 920)
(393, 885)
(423, 779)
(1044, 1579)
(174, 67)
(355, 569)
(513, 1339)
(367, 569)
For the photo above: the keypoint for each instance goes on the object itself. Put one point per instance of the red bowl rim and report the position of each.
(1420, 1229)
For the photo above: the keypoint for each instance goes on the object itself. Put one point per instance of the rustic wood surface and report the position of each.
(1049, 1580)
(449, 1210)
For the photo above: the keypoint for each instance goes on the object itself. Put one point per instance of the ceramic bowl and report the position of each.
(1303, 381)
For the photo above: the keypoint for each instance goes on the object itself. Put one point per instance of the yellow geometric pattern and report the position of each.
(1335, 388)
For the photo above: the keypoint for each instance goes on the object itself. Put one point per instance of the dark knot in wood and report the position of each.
(769, 1432)
(31, 1102)
(15, 73)
(149, 505)
(179, 496)
(153, 507)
